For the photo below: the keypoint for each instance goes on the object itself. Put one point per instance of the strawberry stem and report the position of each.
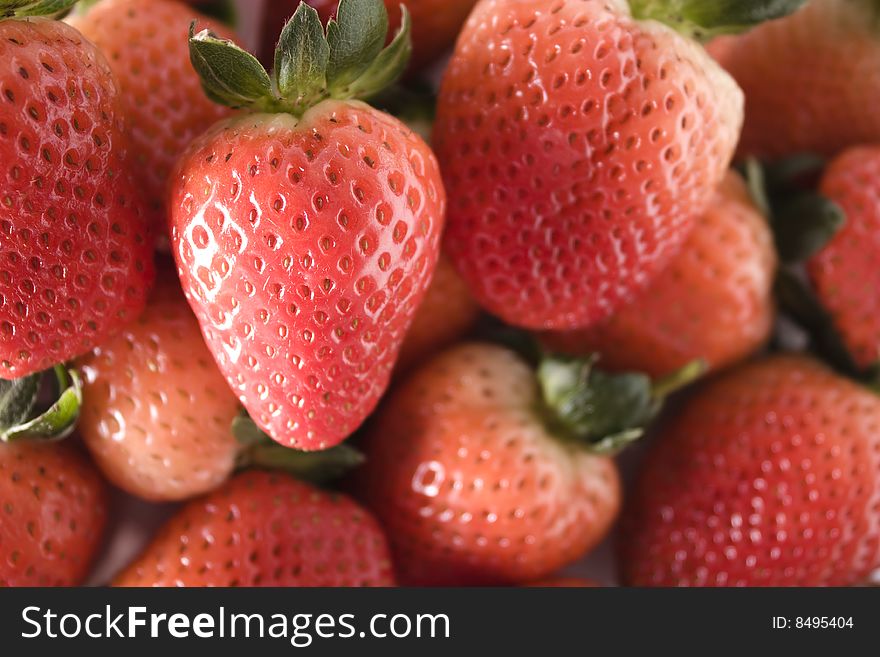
(345, 61)
(703, 19)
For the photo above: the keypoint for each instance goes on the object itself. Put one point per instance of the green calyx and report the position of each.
(258, 450)
(703, 19)
(27, 8)
(23, 417)
(600, 411)
(346, 61)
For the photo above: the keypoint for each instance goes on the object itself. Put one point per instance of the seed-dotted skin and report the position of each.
(266, 529)
(157, 413)
(713, 302)
(447, 312)
(75, 258)
(769, 476)
(305, 248)
(808, 79)
(469, 484)
(53, 509)
(845, 273)
(577, 146)
(165, 106)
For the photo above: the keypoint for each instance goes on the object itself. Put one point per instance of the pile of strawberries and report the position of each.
(354, 358)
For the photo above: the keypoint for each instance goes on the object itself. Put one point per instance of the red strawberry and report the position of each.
(435, 24)
(480, 476)
(566, 583)
(157, 413)
(808, 79)
(264, 529)
(445, 315)
(845, 272)
(577, 144)
(164, 104)
(769, 476)
(53, 508)
(713, 302)
(75, 253)
(306, 238)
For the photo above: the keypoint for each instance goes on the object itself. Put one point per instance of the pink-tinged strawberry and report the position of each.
(53, 508)
(263, 529)
(808, 79)
(306, 232)
(769, 476)
(483, 473)
(845, 273)
(157, 414)
(163, 101)
(713, 302)
(578, 143)
(75, 253)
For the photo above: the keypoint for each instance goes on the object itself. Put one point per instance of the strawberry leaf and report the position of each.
(260, 451)
(803, 224)
(24, 8)
(355, 37)
(388, 66)
(706, 18)
(17, 421)
(604, 411)
(230, 76)
(301, 58)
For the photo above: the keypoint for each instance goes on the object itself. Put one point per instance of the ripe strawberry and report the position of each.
(305, 238)
(769, 476)
(808, 79)
(53, 508)
(480, 477)
(845, 272)
(157, 413)
(445, 315)
(435, 24)
(263, 529)
(577, 144)
(713, 302)
(165, 107)
(76, 257)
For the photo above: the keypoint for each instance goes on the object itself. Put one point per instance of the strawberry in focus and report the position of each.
(156, 413)
(769, 476)
(76, 252)
(713, 302)
(53, 509)
(483, 474)
(163, 101)
(306, 232)
(263, 529)
(808, 79)
(845, 273)
(577, 143)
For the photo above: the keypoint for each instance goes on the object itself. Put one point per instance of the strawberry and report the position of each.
(76, 255)
(445, 315)
(844, 273)
(163, 101)
(263, 529)
(770, 476)
(53, 508)
(578, 143)
(565, 583)
(157, 413)
(710, 303)
(808, 79)
(482, 476)
(435, 24)
(306, 235)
